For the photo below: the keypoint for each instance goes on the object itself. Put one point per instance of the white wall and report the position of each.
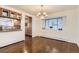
(36, 27)
(34, 24)
(7, 38)
(78, 26)
(69, 32)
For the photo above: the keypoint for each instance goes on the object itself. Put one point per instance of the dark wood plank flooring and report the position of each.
(13, 48)
(28, 43)
(41, 45)
(47, 45)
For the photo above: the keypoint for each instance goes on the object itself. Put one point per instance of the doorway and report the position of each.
(28, 33)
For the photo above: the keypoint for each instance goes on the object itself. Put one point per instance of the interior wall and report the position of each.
(36, 26)
(78, 26)
(7, 38)
(69, 32)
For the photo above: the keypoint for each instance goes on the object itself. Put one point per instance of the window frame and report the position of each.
(57, 18)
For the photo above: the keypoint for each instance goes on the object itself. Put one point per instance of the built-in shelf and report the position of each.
(9, 17)
(14, 18)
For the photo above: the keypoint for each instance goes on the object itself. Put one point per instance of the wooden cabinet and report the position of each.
(15, 15)
(5, 12)
(9, 14)
(14, 18)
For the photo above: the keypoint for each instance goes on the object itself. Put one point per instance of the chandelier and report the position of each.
(42, 14)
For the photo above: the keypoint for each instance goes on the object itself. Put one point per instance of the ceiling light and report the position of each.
(42, 14)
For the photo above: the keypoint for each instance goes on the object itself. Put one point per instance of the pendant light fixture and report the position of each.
(42, 14)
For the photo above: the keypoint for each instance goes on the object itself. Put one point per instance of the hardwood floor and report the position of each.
(28, 43)
(13, 48)
(41, 45)
(47, 45)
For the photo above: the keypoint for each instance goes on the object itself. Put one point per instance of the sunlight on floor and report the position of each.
(25, 51)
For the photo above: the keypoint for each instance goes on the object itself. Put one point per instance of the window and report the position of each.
(53, 23)
(7, 23)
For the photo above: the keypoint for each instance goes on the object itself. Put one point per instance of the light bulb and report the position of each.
(39, 14)
(42, 17)
(44, 13)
